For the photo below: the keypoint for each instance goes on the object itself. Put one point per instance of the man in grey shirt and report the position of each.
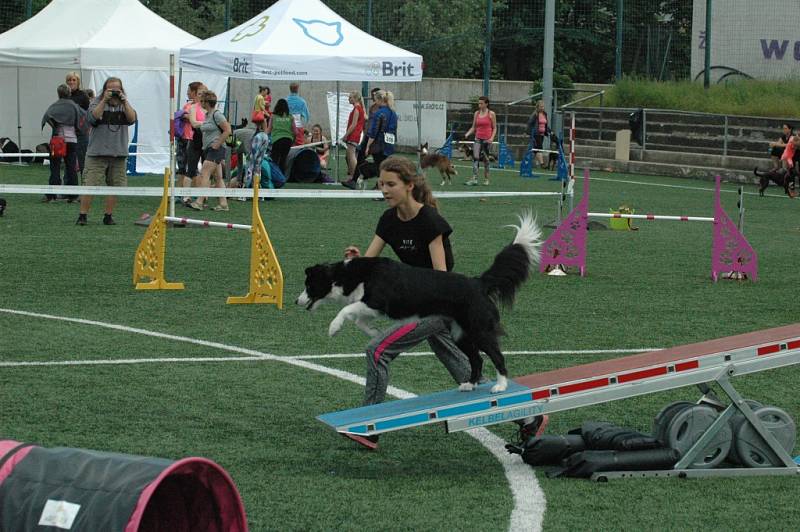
(110, 114)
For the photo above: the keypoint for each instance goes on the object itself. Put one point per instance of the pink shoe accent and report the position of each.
(399, 333)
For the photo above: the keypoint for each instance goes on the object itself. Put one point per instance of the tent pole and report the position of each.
(170, 119)
(419, 121)
(19, 116)
(335, 134)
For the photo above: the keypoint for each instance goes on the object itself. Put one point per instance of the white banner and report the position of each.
(758, 39)
(434, 120)
(434, 123)
(344, 113)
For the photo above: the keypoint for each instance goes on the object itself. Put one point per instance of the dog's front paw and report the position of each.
(466, 387)
(335, 326)
(501, 385)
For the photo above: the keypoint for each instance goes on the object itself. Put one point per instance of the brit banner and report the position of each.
(748, 39)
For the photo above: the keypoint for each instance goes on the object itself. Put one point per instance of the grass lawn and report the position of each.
(644, 289)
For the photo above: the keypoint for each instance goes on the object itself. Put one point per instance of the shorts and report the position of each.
(193, 154)
(353, 144)
(103, 170)
(777, 151)
(216, 156)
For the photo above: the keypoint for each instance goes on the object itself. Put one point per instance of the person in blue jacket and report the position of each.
(381, 136)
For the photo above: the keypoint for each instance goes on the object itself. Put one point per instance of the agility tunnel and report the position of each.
(77, 489)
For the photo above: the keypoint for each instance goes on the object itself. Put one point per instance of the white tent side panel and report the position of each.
(37, 90)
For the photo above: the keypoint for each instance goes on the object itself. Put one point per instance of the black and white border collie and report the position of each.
(375, 286)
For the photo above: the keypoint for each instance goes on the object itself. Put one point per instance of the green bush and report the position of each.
(780, 99)
(560, 81)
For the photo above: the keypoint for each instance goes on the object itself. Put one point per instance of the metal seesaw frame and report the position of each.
(713, 361)
(682, 468)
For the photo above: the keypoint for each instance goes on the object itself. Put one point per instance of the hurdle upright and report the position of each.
(266, 277)
(731, 253)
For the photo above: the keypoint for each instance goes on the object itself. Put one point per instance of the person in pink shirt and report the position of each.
(484, 126)
(194, 137)
(787, 158)
(538, 128)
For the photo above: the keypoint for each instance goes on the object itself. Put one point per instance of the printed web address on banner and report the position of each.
(270, 72)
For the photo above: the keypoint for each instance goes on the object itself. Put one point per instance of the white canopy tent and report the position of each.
(300, 40)
(99, 39)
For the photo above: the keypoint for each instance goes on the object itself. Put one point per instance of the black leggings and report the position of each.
(377, 159)
(280, 150)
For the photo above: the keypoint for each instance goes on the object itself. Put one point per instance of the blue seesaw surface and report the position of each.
(417, 410)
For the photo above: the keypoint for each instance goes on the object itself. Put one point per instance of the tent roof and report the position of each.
(93, 34)
(302, 40)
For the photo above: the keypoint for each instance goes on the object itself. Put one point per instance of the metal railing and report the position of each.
(516, 102)
(555, 110)
(724, 119)
(563, 108)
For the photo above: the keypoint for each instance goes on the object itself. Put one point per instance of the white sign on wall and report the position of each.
(434, 123)
(748, 37)
(434, 120)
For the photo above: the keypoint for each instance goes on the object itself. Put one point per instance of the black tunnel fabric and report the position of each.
(105, 486)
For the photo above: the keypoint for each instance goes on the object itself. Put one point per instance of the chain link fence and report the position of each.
(596, 41)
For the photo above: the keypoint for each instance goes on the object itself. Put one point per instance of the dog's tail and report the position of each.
(512, 265)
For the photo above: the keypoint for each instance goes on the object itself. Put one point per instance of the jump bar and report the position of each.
(651, 217)
(207, 223)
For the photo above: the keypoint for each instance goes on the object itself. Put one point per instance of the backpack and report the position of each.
(58, 147)
(179, 123)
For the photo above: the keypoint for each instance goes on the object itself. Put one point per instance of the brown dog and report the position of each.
(441, 163)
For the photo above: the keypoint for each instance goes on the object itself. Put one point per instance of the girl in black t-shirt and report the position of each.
(419, 236)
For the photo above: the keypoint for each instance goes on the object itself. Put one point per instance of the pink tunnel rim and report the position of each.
(5, 447)
(147, 493)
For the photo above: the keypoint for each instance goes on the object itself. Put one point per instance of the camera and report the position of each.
(115, 94)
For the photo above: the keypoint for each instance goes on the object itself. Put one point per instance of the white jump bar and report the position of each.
(207, 223)
(651, 217)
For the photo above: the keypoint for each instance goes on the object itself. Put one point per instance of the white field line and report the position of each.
(275, 358)
(507, 353)
(529, 500)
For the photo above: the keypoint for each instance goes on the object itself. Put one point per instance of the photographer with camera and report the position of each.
(110, 114)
